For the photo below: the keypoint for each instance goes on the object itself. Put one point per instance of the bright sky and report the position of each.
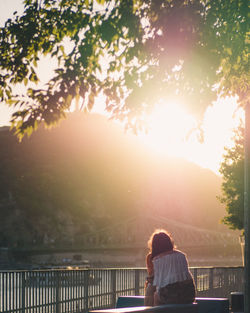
(7, 8)
(170, 123)
(171, 126)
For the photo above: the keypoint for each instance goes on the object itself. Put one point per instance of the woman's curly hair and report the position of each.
(160, 241)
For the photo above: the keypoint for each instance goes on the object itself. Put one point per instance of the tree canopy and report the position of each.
(232, 170)
(134, 52)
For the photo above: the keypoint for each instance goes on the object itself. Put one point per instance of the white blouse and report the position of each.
(170, 268)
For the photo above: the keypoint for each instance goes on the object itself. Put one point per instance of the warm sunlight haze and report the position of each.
(172, 131)
(175, 133)
(168, 127)
(124, 151)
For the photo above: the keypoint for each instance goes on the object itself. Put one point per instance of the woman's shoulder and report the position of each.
(170, 254)
(178, 252)
(163, 254)
(175, 253)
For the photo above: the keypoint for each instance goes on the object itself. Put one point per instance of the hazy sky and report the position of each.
(167, 133)
(7, 8)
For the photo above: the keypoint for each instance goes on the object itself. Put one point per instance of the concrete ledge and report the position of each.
(205, 305)
(167, 308)
(214, 305)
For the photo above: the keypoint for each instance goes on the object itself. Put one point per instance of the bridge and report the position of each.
(135, 232)
(125, 244)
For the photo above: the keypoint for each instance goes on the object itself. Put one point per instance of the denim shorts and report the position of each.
(178, 293)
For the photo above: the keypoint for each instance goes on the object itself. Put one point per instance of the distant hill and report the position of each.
(88, 173)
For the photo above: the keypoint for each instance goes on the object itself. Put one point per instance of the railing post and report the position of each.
(86, 290)
(57, 291)
(195, 278)
(113, 287)
(23, 292)
(226, 281)
(247, 209)
(211, 280)
(137, 282)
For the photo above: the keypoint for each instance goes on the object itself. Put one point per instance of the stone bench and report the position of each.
(205, 305)
(167, 308)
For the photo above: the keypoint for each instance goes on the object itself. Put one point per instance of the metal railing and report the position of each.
(74, 291)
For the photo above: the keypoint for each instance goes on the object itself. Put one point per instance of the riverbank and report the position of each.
(105, 259)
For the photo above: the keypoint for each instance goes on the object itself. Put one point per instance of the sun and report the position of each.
(173, 132)
(169, 126)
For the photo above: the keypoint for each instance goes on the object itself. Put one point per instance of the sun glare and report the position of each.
(168, 126)
(174, 133)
